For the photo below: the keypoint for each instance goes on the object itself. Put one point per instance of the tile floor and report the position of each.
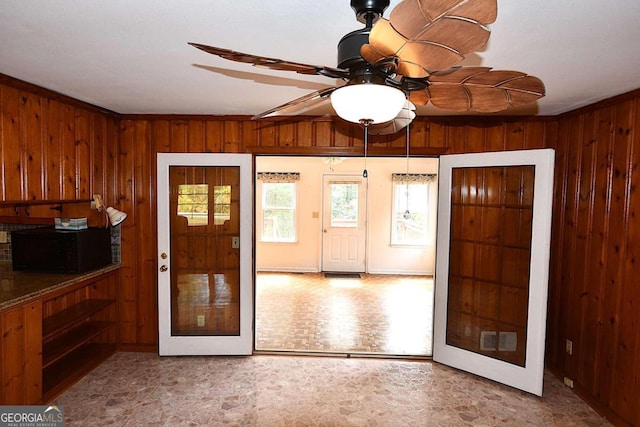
(143, 389)
(383, 314)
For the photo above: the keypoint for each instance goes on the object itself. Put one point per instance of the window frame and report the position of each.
(294, 209)
(393, 238)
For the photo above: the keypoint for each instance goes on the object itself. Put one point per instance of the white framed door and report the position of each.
(492, 264)
(344, 227)
(205, 277)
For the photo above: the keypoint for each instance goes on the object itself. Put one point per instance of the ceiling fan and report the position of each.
(390, 66)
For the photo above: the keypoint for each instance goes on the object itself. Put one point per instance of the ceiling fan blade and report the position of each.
(299, 105)
(274, 63)
(480, 89)
(429, 35)
(406, 116)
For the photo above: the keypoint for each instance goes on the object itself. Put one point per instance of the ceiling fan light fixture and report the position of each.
(368, 101)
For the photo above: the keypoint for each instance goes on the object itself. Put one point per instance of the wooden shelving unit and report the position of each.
(79, 336)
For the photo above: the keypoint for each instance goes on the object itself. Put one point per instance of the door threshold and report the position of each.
(343, 355)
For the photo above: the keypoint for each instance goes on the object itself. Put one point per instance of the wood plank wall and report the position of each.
(54, 148)
(594, 298)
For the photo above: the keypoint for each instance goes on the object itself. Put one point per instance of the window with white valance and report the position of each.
(410, 211)
(279, 206)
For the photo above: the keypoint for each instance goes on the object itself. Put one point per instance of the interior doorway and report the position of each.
(386, 309)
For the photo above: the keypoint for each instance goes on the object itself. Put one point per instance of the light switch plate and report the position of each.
(235, 242)
(3, 237)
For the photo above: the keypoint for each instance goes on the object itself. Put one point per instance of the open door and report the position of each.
(492, 264)
(205, 279)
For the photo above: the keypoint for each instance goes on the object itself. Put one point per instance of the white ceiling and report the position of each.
(131, 56)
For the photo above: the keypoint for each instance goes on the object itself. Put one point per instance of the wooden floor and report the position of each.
(376, 314)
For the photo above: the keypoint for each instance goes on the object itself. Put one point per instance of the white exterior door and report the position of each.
(344, 223)
(205, 279)
(492, 264)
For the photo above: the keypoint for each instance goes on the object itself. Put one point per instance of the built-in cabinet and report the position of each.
(78, 332)
(53, 340)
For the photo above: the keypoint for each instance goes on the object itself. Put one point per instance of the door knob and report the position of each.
(163, 255)
(324, 231)
(163, 268)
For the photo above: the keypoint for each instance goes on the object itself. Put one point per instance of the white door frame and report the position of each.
(205, 345)
(530, 377)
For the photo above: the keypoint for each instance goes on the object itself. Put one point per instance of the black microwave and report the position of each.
(60, 251)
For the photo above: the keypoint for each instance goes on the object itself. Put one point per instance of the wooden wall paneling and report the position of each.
(250, 132)
(631, 298)
(555, 333)
(594, 322)
(457, 139)
(195, 136)
(619, 383)
(266, 134)
(232, 137)
(287, 135)
(178, 136)
(215, 133)
(475, 138)
(572, 132)
(21, 351)
(514, 135)
(534, 134)
(347, 134)
(437, 134)
(305, 134)
(53, 152)
(132, 137)
(32, 156)
(83, 155)
(583, 243)
(324, 134)
(12, 177)
(67, 140)
(160, 137)
(145, 230)
(495, 136)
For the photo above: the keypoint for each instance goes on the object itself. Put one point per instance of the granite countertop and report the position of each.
(19, 286)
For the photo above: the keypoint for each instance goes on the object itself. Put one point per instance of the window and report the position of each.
(193, 203)
(278, 212)
(344, 204)
(409, 220)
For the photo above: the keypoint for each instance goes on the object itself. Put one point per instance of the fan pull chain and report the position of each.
(407, 214)
(365, 123)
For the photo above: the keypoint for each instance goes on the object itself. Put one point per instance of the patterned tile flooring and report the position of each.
(377, 314)
(143, 389)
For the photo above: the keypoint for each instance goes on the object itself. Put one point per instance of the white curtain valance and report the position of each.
(279, 176)
(413, 177)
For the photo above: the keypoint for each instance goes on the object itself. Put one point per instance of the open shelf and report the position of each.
(72, 315)
(57, 348)
(70, 368)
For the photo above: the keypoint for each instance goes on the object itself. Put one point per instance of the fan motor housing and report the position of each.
(349, 49)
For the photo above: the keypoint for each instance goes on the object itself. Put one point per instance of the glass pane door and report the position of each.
(492, 264)
(204, 280)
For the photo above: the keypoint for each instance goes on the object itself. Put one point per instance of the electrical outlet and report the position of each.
(200, 320)
(568, 382)
(569, 346)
